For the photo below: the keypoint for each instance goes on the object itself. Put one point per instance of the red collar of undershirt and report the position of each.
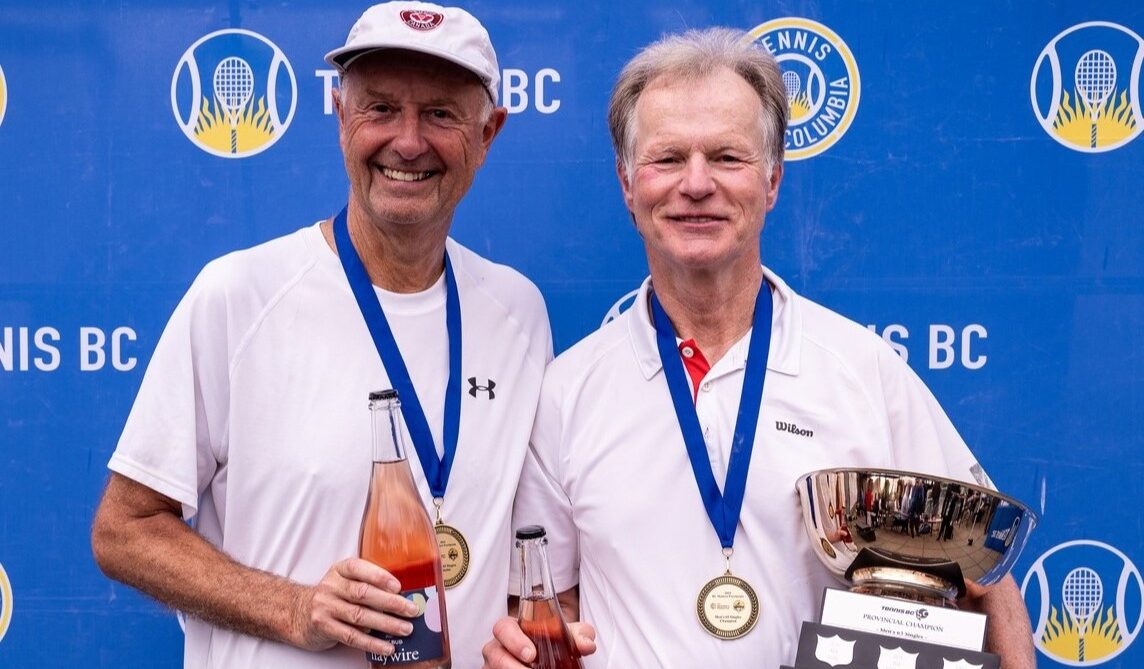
(695, 363)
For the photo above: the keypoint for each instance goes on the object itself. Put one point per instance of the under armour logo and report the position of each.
(473, 387)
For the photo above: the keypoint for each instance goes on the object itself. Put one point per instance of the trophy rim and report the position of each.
(1034, 516)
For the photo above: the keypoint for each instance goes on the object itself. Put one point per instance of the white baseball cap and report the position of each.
(446, 32)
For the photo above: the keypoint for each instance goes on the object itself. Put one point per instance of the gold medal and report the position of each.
(728, 607)
(827, 548)
(454, 553)
(453, 548)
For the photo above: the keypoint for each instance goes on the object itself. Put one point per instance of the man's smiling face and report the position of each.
(413, 129)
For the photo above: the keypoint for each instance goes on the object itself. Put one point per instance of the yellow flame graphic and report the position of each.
(1114, 124)
(799, 107)
(253, 129)
(1062, 635)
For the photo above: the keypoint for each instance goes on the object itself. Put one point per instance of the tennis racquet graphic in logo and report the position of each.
(233, 87)
(233, 93)
(1095, 77)
(1099, 108)
(793, 83)
(1082, 593)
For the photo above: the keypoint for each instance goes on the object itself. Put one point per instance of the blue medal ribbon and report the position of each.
(436, 469)
(723, 509)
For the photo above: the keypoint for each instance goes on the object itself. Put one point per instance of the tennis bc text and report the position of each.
(520, 90)
(947, 346)
(45, 349)
(25, 349)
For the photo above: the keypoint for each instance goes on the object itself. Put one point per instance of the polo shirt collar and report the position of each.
(786, 330)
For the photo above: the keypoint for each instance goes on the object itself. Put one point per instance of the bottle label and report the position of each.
(425, 642)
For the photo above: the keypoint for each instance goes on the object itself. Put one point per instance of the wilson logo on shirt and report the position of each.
(793, 429)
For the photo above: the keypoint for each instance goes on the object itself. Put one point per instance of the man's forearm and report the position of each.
(1009, 633)
(157, 553)
(570, 603)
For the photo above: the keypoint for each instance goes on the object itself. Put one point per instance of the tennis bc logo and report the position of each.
(821, 79)
(1085, 599)
(229, 92)
(1085, 87)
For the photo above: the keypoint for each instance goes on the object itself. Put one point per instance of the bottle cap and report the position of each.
(530, 532)
(387, 394)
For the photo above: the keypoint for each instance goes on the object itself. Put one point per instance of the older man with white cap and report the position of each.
(251, 421)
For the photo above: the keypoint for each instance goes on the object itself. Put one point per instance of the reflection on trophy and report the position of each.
(906, 544)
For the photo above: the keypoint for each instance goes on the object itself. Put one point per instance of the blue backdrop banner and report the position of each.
(964, 178)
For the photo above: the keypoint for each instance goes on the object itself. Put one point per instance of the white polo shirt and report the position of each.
(608, 475)
(253, 415)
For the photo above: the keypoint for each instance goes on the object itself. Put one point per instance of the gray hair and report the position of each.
(692, 55)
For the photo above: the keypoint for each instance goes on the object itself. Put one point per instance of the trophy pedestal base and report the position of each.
(826, 647)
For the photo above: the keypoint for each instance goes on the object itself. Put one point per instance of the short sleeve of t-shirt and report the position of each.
(540, 496)
(923, 437)
(173, 437)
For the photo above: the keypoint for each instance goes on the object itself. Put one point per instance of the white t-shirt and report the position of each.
(608, 475)
(253, 415)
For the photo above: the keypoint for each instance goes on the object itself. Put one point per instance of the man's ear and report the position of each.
(625, 182)
(493, 127)
(773, 186)
(337, 95)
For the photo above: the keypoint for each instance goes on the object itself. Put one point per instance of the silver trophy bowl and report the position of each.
(911, 536)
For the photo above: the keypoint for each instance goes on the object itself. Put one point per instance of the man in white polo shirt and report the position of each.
(632, 449)
(252, 419)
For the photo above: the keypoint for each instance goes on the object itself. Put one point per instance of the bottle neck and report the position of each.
(388, 430)
(535, 577)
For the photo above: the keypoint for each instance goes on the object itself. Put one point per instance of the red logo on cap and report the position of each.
(420, 19)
